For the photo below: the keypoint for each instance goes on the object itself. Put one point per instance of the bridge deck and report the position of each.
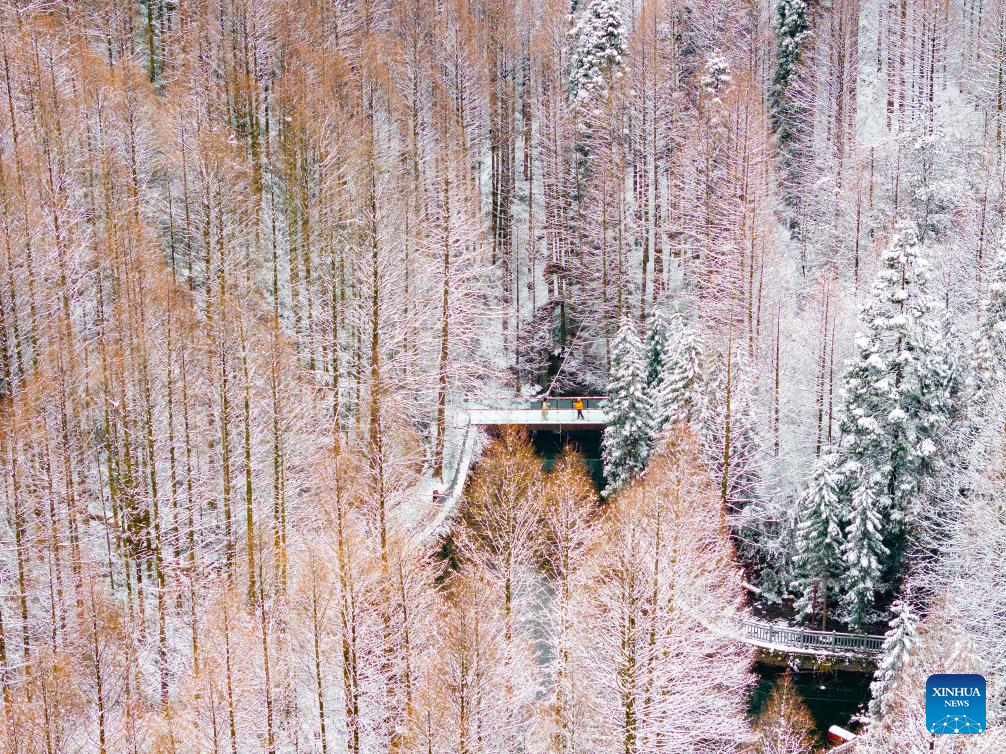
(796, 640)
(533, 418)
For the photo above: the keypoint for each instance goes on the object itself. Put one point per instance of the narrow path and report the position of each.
(450, 496)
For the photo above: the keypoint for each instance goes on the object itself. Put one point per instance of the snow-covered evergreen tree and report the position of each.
(883, 383)
(678, 394)
(599, 40)
(792, 33)
(628, 436)
(990, 340)
(899, 644)
(662, 333)
(935, 186)
(818, 561)
(940, 383)
(716, 75)
(864, 550)
(896, 402)
(597, 56)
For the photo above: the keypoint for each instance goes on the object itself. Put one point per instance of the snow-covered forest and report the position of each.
(258, 256)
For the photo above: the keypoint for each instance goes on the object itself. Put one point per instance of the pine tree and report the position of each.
(660, 343)
(678, 394)
(595, 60)
(819, 538)
(598, 53)
(990, 340)
(792, 35)
(899, 644)
(628, 436)
(940, 383)
(716, 76)
(897, 399)
(935, 186)
(875, 422)
(864, 550)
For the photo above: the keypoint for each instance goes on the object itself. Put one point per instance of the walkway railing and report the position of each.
(805, 641)
(509, 403)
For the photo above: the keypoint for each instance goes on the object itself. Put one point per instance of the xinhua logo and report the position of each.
(955, 703)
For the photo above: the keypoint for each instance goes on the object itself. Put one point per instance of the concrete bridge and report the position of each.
(531, 414)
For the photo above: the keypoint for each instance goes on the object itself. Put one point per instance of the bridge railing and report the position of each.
(534, 404)
(807, 640)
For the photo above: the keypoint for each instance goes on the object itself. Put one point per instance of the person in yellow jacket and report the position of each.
(578, 405)
(544, 409)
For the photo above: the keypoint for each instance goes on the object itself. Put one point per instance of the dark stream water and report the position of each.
(833, 698)
(549, 444)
